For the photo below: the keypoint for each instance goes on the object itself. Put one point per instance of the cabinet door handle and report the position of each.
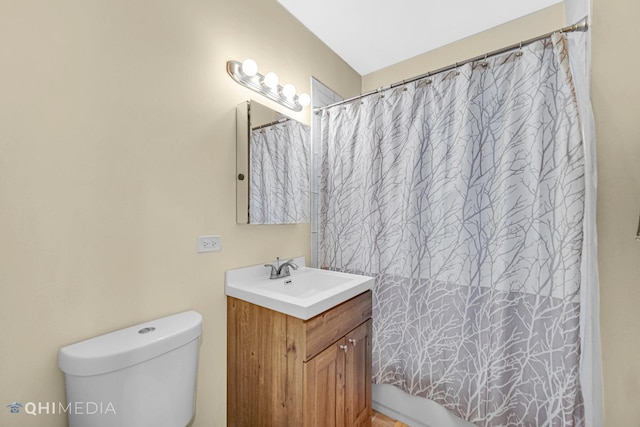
(352, 341)
(343, 347)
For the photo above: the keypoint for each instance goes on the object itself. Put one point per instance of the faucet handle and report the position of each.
(283, 270)
(274, 271)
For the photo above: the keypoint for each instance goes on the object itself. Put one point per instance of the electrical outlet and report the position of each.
(209, 244)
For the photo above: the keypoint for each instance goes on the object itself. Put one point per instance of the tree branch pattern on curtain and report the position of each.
(463, 194)
(279, 161)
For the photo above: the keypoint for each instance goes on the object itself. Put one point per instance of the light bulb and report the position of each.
(271, 80)
(289, 91)
(304, 99)
(249, 67)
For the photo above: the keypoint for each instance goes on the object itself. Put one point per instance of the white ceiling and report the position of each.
(373, 34)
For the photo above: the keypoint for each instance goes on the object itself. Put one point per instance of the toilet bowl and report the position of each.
(141, 376)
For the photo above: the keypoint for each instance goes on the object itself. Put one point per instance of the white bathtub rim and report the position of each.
(413, 410)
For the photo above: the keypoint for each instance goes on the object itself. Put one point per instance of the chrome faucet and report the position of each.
(278, 271)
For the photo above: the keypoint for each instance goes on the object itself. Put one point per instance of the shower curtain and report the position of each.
(279, 162)
(463, 194)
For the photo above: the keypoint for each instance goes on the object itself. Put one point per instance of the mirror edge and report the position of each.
(242, 163)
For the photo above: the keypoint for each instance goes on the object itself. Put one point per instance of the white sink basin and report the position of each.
(306, 293)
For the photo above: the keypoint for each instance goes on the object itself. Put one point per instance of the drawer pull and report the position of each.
(343, 347)
(352, 341)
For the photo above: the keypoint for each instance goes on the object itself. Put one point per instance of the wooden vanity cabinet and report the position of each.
(338, 382)
(284, 371)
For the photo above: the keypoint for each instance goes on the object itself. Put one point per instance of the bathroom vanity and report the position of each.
(288, 371)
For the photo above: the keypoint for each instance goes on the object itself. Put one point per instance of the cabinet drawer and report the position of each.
(328, 327)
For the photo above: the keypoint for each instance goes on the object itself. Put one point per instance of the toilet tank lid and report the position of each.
(130, 346)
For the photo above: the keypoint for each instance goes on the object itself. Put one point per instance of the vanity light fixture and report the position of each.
(271, 80)
(289, 91)
(246, 73)
(249, 67)
(304, 99)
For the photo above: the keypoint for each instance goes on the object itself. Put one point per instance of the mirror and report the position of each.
(273, 166)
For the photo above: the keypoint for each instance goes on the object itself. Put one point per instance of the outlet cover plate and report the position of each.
(209, 244)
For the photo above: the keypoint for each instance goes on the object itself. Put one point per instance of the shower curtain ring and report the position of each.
(519, 52)
(427, 80)
(457, 73)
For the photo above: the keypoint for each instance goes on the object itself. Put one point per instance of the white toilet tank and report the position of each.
(141, 376)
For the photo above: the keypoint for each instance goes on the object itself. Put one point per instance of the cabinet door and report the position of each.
(358, 376)
(324, 377)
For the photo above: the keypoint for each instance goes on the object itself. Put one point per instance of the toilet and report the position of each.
(141, 376)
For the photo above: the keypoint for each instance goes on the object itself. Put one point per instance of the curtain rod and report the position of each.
(275, 122)
(582, 25)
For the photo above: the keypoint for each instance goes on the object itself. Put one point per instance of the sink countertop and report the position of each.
(305, 294)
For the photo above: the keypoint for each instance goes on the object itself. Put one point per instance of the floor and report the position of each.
(381, 420)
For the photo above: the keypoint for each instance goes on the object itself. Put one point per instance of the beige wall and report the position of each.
(615, 93)
(117, 149)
